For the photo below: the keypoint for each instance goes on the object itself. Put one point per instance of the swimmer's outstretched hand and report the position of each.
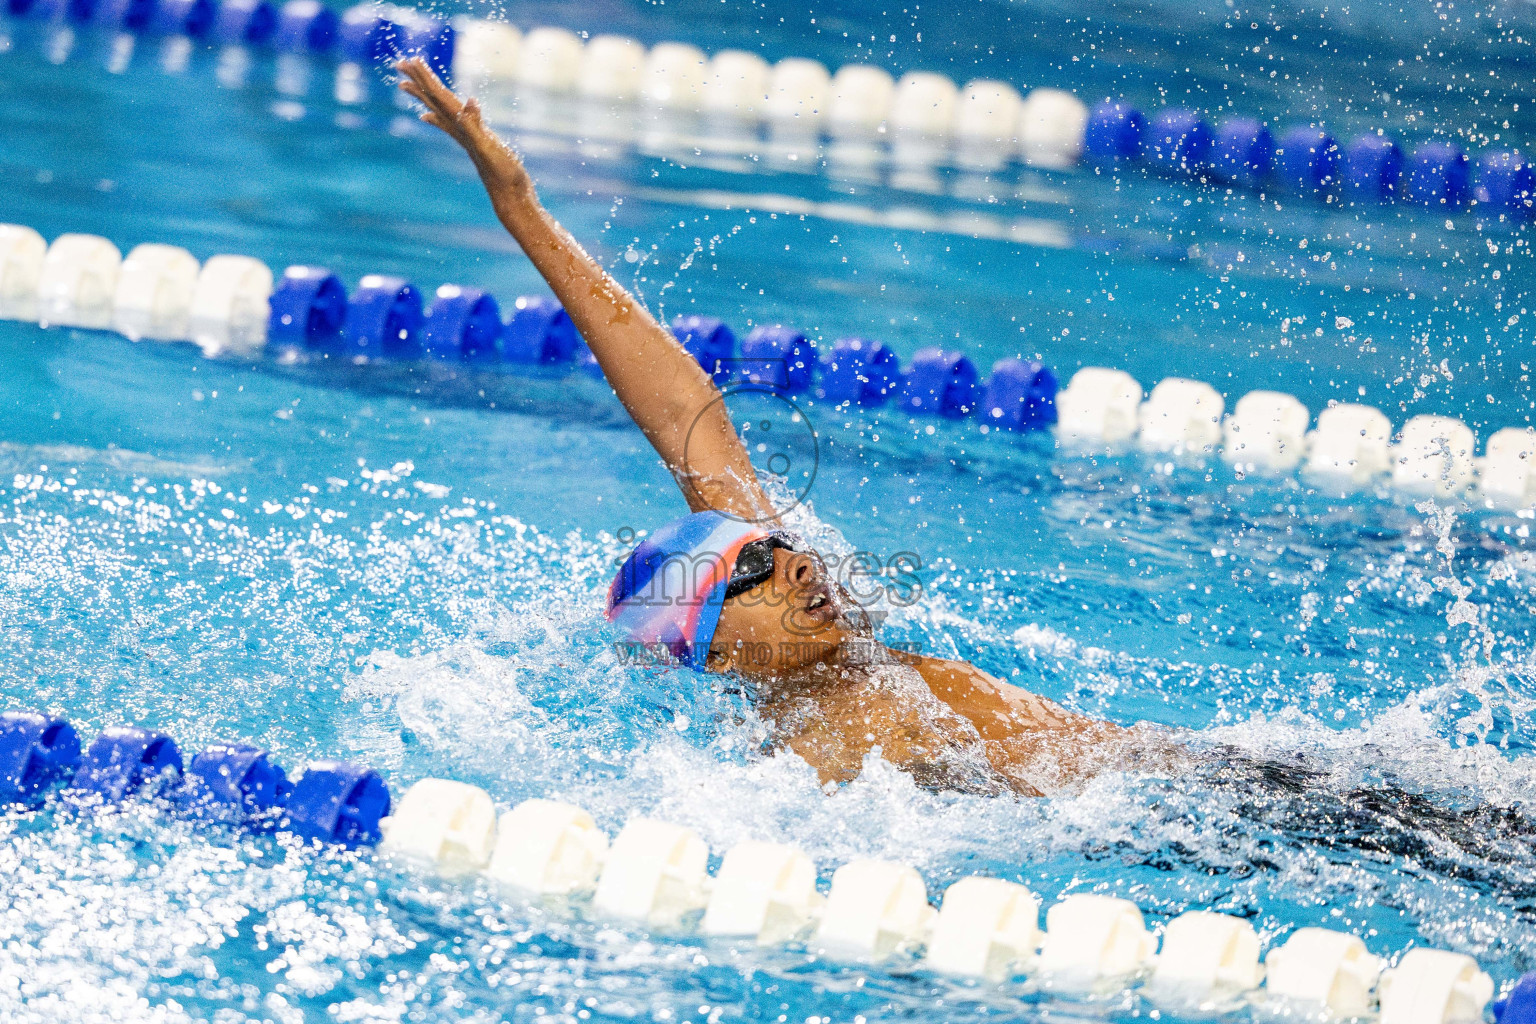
(500, 167)
(673, 401)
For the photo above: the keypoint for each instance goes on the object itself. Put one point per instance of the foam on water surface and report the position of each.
(428, 633)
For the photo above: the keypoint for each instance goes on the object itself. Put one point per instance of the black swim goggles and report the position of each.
(755, 562)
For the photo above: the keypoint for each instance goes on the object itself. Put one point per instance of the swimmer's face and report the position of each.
(791, 623)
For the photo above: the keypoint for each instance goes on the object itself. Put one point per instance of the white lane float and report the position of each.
(1092, 941)
(486, 51)
(1350, 444)
(875, 908)
(548, 847)
(655, 872)
(924, 104)
(986, 928)
(1322, 970)
(77, 282)
(987, 111)
(1098, 405)
(155, 288)
(861, 99)
(1434, 455)
(612, 68)
(1206, 958)
(1052, 126)
(231, 305)
(451, 825)
(736, 83)
(1047, 127)
(675, 76)
(1267, 430)
(550, 59)
(1434, 986)
(799, 90)
(1507, 478)
(763, 890)
(1181, 416)
(22, 251)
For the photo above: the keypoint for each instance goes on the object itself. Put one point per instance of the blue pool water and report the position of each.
(404, 566)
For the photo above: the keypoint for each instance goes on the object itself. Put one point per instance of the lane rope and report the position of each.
(234, 306)
(656, 874)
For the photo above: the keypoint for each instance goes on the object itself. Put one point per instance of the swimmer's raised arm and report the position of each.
(669, 396)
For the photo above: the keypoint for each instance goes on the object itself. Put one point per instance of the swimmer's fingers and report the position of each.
(459, 118)
(422, 84)
(434, 91)
(499, 166)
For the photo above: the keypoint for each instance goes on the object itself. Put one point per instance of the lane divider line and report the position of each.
(234, 306)
(656, 874)
(980, 122)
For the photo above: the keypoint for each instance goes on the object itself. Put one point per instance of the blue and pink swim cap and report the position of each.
(670, 589)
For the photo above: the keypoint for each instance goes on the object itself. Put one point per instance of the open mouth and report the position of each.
(822, 604)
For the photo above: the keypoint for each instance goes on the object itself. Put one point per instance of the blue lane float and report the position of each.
(332, 802)
(124, 759)
(1372, 168)
(36, 751)
(857, 371)
(1178, 141)
(1438, 175)
(41, 10)
(779, 358)
(1114, 131)
(429, 38)
(384, 318)
(305, 26)
(243, 22)
(1518, 1006)
(309, 308)
(463, 324)
(366, 36)
(124, 15)
(1019, 395)
(238, 777)
(939, 383)
(338, 802)
(539, 332)
(191, 18)
(1505, 182)
(1308, 159)
(708, 340)
(1242, 151)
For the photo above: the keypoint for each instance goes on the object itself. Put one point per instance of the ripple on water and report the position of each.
(432, 635)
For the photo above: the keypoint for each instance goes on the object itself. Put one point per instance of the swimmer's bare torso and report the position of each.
(946, 722)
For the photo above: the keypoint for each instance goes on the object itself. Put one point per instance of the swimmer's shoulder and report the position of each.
(998, 709)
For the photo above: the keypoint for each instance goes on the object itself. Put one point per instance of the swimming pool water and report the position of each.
(405, 569)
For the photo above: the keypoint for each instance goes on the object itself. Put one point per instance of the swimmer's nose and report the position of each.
(801, 572)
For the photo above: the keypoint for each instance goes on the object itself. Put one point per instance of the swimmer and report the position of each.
(729, 578)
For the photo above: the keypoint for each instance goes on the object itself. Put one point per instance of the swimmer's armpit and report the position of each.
(665, 391)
